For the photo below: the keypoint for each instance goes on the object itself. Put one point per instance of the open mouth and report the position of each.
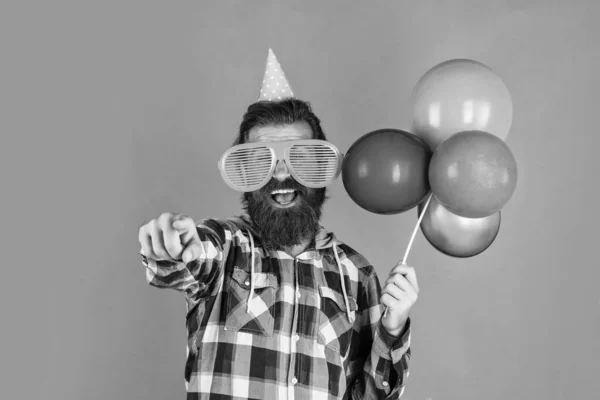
(284, 197)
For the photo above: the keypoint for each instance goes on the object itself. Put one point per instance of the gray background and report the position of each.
(115, 111)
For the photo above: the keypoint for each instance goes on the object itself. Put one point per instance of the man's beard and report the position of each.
(285, 227)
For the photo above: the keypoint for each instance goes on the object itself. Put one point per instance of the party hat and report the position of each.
(275, 86)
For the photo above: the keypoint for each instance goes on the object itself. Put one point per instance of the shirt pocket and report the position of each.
(335, 330)
(258, 319)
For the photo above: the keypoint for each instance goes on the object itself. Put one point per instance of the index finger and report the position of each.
(409, 272)
(184, 225)
(172, 241)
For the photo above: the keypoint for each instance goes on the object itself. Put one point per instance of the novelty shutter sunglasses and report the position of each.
(313, 163)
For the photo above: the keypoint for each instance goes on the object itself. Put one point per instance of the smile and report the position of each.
(284, 198)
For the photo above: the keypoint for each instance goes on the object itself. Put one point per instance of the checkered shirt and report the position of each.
(295, 341)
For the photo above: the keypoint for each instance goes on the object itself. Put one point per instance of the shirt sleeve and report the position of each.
(199, 278)
(385, 367)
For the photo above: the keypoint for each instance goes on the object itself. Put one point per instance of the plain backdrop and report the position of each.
(113, 112)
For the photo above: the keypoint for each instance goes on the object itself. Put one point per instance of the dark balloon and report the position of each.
(385, 171)
(473, 174)
(458, 236)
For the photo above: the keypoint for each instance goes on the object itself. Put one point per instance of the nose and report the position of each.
(281, 172)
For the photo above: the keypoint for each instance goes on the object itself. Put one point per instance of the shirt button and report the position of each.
(294, 380)
(296, 337)
(298, 295)
(247, 283)
(384, 383)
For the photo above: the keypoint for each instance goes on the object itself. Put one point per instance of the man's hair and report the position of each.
(284, 112)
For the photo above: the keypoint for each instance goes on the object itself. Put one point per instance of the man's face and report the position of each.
(284, 218)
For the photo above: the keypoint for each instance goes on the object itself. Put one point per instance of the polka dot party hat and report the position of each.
(274, 86)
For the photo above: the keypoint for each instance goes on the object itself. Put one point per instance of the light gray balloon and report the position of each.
(457, 236)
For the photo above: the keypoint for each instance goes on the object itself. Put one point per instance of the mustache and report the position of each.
(289, 183)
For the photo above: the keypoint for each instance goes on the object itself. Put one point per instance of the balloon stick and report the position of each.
(412, 238)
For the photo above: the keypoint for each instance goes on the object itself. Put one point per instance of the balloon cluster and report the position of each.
(454, 167)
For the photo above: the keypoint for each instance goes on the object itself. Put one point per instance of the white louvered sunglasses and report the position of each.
(313, 163)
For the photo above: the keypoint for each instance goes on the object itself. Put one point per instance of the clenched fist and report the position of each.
(170, 237)
(399, 294)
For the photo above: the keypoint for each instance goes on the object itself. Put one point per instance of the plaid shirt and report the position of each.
(296, 340)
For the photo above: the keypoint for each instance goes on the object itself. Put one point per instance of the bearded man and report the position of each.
(278, 307)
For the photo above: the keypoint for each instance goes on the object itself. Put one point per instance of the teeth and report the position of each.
(274, 192)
